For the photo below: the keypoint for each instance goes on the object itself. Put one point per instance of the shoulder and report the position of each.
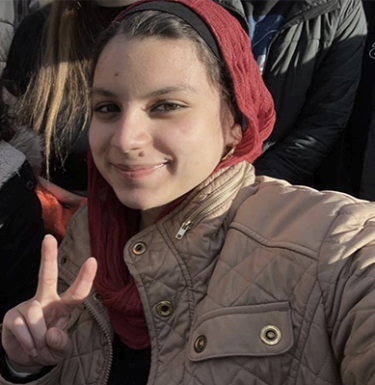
(348, 5)
(7, 14)
(31, 26)
(332, 235)
(29, 143)
(35, 19)
(24, 51)
(7, 19)
(300, 217)
(352, 10)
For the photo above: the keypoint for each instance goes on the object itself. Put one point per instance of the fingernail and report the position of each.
(33, 353)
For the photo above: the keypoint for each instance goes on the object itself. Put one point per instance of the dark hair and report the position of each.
(144, 24)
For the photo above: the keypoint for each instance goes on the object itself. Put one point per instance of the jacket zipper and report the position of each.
(195, 216)
(91, 310)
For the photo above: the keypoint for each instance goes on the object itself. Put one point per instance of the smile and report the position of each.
(136, 171)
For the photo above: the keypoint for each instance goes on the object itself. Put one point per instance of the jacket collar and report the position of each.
(211, 199)
(204, 203)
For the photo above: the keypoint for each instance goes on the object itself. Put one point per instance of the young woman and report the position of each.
(205, 273)
(21, 225)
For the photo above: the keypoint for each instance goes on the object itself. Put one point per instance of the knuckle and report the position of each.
(13, 313)
(18, 321)
(31, 311)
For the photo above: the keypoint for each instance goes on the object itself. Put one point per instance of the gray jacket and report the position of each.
(11, 13)
(312, 71)
(273, 285)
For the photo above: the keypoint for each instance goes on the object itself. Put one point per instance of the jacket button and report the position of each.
(97, 297)
(164, 308)
(30, 185)
(270, 335)
(200, 344)
(139, 248)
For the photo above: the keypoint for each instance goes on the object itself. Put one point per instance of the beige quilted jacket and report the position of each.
(251, 281)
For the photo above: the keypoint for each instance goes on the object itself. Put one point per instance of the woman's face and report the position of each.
(158, 127)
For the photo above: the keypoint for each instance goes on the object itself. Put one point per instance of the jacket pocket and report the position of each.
(247, 331)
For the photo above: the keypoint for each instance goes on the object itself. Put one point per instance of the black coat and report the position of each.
(21, 235)
(312, 71)
(357, 176)
(21, 224)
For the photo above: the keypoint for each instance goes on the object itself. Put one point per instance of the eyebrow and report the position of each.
(102, 91)
(160, 92)
(171, 89)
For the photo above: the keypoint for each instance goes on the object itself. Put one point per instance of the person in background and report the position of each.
(35, 4)
(46, 79)
(205, 273)
(21, 225)
(309, 53)
(357, 173)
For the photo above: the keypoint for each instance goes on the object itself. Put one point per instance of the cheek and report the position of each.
(98, 140)
(203, 150)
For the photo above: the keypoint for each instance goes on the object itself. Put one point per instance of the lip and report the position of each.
(131, 172)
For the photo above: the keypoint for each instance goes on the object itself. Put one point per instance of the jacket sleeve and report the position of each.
(347, 279)
(328, 104)
(7, 17)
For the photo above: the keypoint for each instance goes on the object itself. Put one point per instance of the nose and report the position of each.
(132, 132)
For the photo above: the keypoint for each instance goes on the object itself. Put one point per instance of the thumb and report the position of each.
(59, 342)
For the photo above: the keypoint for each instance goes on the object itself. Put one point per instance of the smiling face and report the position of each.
(158, 127)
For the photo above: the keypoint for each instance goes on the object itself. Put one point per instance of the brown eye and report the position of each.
(166, 107)
(106, 108)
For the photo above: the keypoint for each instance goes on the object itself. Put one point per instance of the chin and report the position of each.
(137, 203)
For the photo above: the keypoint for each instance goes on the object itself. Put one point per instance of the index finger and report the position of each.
(48, 272)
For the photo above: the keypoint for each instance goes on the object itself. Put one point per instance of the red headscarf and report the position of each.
(112, 224)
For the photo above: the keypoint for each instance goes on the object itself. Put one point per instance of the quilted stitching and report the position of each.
(196, 279)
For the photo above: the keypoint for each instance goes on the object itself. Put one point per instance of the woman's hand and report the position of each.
(34, 333)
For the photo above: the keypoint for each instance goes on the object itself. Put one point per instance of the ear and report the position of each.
(234, 134)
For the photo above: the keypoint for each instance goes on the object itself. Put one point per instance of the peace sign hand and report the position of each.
(34, 332)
